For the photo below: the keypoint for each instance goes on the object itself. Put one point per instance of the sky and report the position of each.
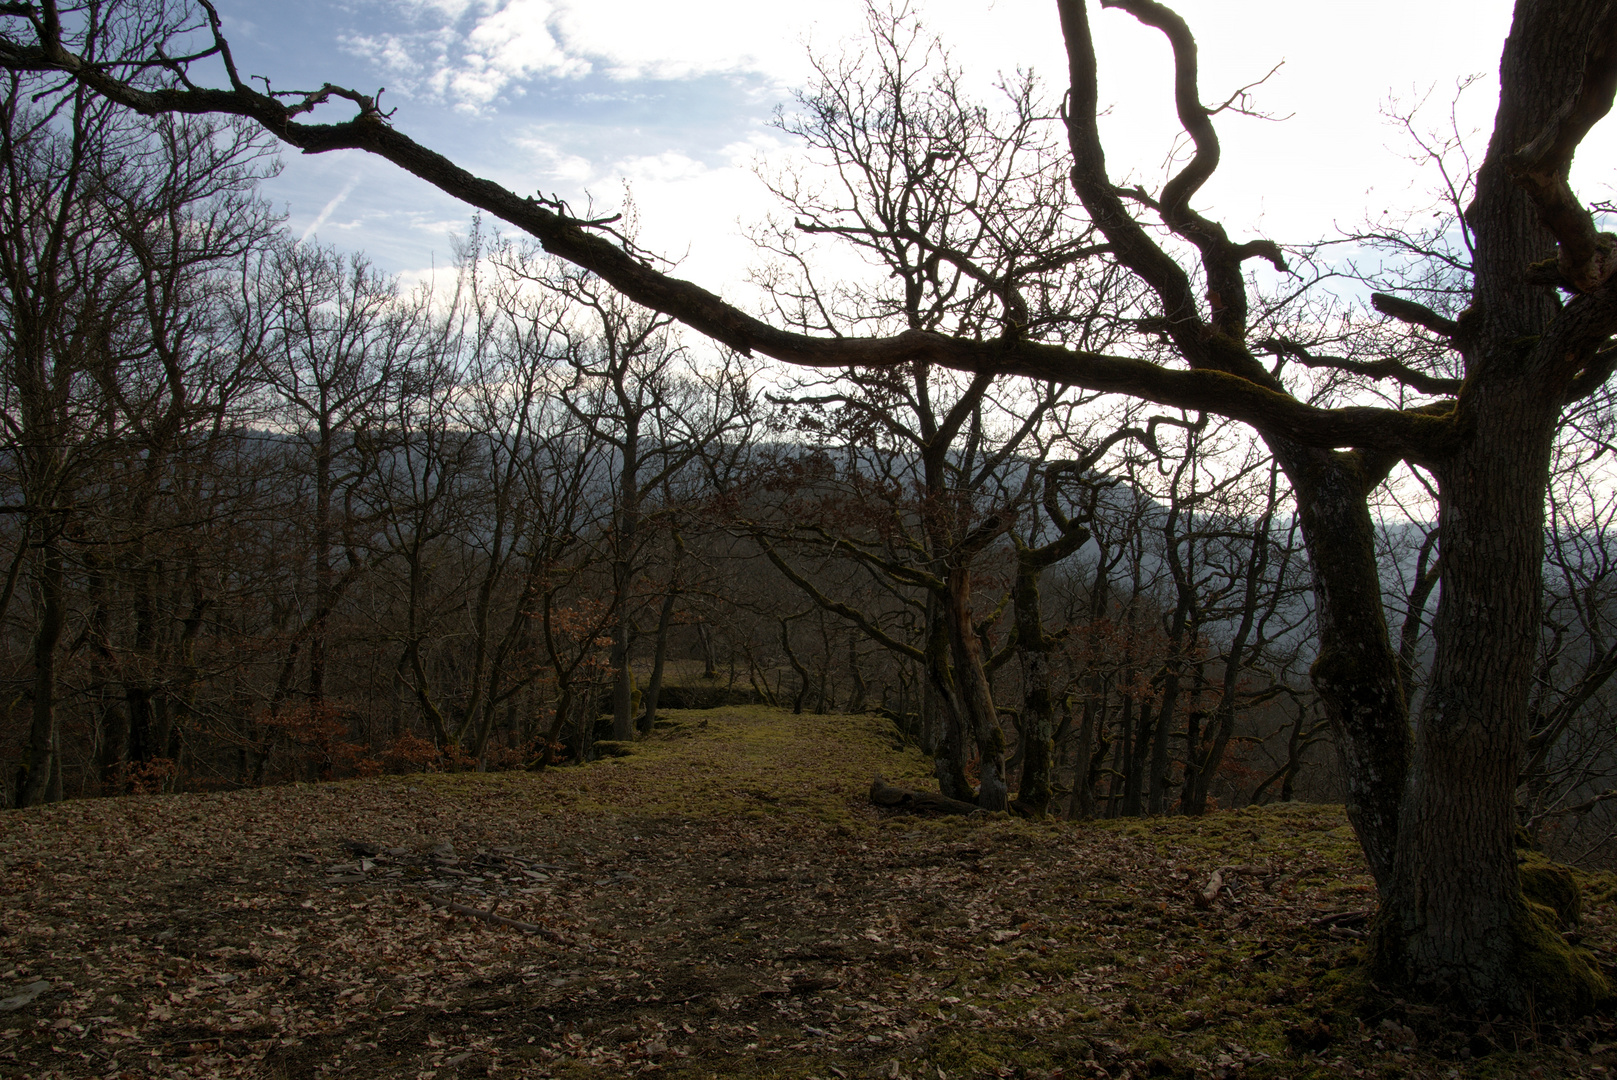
(579, 98)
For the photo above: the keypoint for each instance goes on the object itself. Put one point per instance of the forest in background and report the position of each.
(268, 516)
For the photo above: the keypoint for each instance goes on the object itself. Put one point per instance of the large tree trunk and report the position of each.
(33, 785)
(1453, 917)
(1356, 671)
(942, 713)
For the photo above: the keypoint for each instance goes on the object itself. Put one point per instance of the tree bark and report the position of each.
(1356, 671)
(976, 700)
(654, 688)
(1033, 791)
(33, 785)
(1453, 915)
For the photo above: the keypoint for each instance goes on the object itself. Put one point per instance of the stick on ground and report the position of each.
(499, 920)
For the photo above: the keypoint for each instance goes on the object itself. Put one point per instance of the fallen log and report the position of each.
(896, 798)
(1210, 892)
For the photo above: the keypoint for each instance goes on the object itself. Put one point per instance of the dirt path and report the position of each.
(722, 903)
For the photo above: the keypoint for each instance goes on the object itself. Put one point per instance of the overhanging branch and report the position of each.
(1255, 400)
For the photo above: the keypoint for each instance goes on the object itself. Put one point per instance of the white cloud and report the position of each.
(1295, 180)
(329, 209)
(671, 41)
(470, 52)
(507, 46)
(544, 159)
(452, 9)
(669, 167)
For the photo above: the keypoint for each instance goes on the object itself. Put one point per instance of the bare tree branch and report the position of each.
(1386, 368)
(1416, 314)
(1585, 258)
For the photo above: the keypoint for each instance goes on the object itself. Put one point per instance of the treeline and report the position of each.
(267, 516)
(270, 517)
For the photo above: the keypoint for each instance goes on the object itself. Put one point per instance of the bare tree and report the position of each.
(339, 336)
(113, 230)
(1434, 812)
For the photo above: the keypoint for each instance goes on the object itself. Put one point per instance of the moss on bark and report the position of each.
(1555, 887)
(1546, 975)
(1558, 979)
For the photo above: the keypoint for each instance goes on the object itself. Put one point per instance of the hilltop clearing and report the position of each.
(722, 902)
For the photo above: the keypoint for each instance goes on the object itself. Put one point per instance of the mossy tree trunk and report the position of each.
(1454, 915)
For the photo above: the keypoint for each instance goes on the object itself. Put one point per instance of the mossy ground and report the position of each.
(728, 905)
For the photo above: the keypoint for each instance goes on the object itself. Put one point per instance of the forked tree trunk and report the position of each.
(1453, 915)
(1034, 649)
(1356, 671)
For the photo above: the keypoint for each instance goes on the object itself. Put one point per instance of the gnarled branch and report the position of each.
(1386, 368)
(1223, 379)
(1586, 258)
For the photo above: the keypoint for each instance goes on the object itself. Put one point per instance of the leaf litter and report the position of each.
(723, 902)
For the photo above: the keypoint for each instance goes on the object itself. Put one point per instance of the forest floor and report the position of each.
(724, 902)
